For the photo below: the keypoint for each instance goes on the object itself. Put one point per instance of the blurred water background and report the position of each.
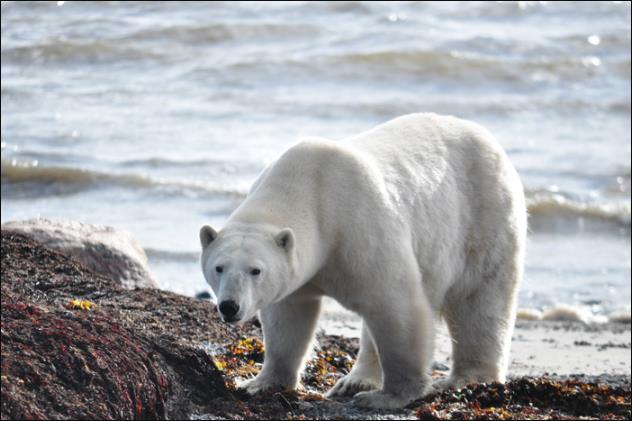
(157, 116)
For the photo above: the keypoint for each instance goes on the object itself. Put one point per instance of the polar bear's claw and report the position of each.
(460, 381)
(381, 400)
(349, 385)
(256, 385)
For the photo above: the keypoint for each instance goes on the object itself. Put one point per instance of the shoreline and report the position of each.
(538, 346)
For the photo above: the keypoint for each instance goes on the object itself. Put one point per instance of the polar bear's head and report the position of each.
(248, 268)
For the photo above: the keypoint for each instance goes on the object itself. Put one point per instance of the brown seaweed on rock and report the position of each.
(133, 356)
(57, 364)
(530, 398)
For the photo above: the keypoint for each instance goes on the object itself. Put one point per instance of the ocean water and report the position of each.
(156, 117)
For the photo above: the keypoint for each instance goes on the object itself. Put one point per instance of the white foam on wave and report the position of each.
(528, 314)
(555, 204)
(572, 313)
(17, 171)
(621, 316)
(566, 313)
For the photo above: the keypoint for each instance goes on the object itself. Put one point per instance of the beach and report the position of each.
(538, 347)
(78, 344)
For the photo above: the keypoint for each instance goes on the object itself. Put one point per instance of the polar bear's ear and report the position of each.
(207, 235)
(285, 239)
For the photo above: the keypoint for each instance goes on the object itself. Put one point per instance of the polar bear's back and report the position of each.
(452, 185)
(424, 157)
(429, 147)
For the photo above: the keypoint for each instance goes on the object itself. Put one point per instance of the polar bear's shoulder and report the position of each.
(311, 148)
(318, 155)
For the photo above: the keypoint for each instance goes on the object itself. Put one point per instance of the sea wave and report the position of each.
(540, 203)
(219, 32)
(90, 51)
(80, 179)
(550, 204)
(134, 46)
(159, 162)
(573, 313)
(454, 65)
(503, 106)
(170, 255)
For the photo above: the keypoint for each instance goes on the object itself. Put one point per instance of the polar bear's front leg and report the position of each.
(404, 336)
(288, 328)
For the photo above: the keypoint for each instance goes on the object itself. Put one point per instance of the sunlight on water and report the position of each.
(594, 40)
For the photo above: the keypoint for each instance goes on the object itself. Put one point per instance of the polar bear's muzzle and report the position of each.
(234, 298)
(229, 309)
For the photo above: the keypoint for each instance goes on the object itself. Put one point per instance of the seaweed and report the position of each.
(530, 398)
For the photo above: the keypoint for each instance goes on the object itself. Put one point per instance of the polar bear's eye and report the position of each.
(255, 272)
(219, 269)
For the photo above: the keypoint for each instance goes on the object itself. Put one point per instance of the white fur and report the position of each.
(421, 215)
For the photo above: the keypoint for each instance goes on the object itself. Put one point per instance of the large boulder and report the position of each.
(109, 251)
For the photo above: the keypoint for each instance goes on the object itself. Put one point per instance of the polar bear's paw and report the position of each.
(382, 400)
(460, 381)
(450, 383)
(350, 384)
(260, 385)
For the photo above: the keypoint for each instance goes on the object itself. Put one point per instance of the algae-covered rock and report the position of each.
(109, 251)
(130, 354)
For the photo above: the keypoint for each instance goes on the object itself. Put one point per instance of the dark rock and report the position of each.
(203, 295)
(437, 366)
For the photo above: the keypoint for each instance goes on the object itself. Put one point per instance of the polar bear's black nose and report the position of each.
(228, 308)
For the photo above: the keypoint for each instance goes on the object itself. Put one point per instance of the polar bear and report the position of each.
(421, 216)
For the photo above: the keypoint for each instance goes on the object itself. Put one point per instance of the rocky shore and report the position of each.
(80, 345)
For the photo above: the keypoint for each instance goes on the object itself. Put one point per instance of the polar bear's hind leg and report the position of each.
(403, 334)
(481, 325)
